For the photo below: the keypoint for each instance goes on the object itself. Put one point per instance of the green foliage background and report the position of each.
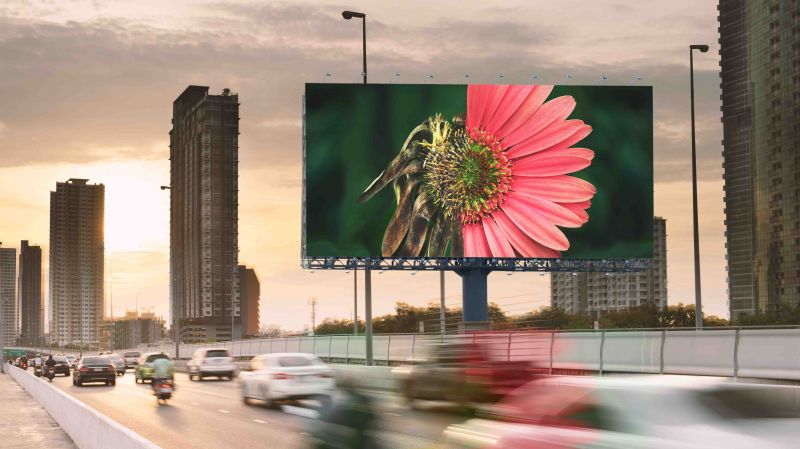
(353, 131)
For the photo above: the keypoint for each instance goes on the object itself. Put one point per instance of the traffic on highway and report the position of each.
(461, 397)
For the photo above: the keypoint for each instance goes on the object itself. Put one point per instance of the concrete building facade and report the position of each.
(204, 281)
(250, 294)
(8, 295)
(598, 293)
(29, 288)
(760, 81)
(76, 262)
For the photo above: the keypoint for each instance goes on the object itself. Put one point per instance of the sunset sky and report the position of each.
(87, 89)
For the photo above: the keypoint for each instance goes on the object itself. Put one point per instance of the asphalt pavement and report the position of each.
(212, 415)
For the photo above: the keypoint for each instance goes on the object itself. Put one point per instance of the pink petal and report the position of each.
(561, 189)
(535, 225)
(475, 244)
(568, 142)
(497, 241)
(477, 95)
(495, 96)
(551, 211)
(549, 166)
(584, 153)
(525, 246)
(514, 97)
(532, 103)
(579, 209)
(553, 135)
(553, 111)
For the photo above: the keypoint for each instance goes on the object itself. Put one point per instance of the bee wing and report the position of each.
(438, 236)
(412, 149)
(424, 208)
(457, 241)
(398, 226)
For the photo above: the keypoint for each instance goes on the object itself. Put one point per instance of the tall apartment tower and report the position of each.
(76, 262)
(250, 294)
(598, 293)
(204, 280)
(29, 289)
(760, 74)
(8, 295)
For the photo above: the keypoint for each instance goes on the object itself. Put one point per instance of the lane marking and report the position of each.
(300, 411)
(260, 421)
(223, 411)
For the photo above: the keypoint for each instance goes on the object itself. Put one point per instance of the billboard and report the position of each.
(501, 171)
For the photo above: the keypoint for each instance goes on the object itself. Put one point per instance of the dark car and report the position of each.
(95, 369)
(465, 372)
(62, 365)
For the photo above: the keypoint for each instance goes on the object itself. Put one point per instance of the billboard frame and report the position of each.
(563, 265)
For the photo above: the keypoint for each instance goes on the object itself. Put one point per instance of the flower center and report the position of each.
(466, 172)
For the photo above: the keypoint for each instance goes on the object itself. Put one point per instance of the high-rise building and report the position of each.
(131, 331)
(76, 262)
(597, 293)
(204, 281)
(8, 295)
(760, 74)
(250, 294)
(29, 289)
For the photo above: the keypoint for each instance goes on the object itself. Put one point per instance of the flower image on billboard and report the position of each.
(500, 171)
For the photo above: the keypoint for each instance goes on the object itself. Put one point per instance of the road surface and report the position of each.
(211, 415)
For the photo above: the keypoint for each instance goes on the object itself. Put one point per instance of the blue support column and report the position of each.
(474, 298)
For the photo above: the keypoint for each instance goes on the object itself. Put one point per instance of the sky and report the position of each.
(88, 86)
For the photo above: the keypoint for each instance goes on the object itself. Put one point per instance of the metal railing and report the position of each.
(758, 352)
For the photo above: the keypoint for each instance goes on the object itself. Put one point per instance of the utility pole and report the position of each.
(313, 303)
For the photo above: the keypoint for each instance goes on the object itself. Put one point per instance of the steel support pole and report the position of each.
(474, 298)
(355, 301)
(441, 303)
(698, 302)
(368, 316)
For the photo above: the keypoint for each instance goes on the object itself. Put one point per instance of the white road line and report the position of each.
(223, 411)
(260, 421)
(300, 411)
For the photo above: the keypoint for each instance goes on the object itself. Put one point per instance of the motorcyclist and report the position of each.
(50, 363)
(163, 368)
(348, 423)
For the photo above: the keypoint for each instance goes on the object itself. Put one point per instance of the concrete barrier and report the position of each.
(88, 428)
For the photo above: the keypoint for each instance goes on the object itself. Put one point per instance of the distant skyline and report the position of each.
(91, 85)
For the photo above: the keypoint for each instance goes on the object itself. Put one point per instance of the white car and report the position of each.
(653, 412)
(287, 376)
(211, 363)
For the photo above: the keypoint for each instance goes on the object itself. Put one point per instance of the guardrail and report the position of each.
(768, 353)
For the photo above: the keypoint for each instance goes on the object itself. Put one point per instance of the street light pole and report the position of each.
(367, 274)
(698, 302)
(176, 335)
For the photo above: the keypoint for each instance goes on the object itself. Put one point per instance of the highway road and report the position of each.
(212, 415)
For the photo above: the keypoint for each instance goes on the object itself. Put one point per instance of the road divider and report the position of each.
(88, 428)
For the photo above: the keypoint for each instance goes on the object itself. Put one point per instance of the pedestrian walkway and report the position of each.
(24, 423)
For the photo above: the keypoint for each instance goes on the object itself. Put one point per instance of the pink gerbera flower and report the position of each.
(505, 177)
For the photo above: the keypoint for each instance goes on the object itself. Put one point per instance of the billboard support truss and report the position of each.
(609, 266)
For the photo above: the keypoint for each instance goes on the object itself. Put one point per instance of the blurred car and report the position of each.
(94, 369)
(119, 363)
(211, 362)
(286, 376)
(144, 367)
(62, 365)
(73, 361)
(655, 412)
(464, 373)
(131, 358)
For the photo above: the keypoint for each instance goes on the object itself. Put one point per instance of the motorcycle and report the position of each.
(37, 371)
(51, 373)
(162, 389)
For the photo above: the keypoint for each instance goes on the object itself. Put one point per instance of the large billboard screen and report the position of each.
(501, 171)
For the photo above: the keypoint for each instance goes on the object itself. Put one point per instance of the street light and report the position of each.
(175, 330)
(698, 302)
(359, 15)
